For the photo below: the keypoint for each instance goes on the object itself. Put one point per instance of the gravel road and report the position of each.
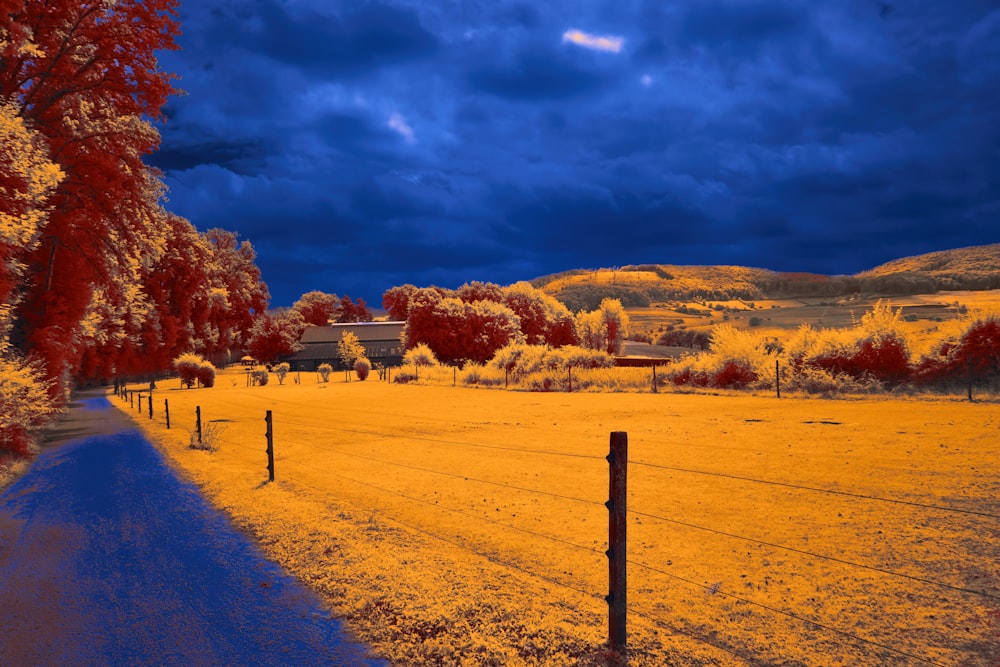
(108, 558)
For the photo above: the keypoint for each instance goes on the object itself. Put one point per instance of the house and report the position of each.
(381, 341)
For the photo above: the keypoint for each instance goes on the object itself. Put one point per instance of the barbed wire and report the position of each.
(454, 475)
(786, 613)
(803, 487)
(811, 554)
(493, 559)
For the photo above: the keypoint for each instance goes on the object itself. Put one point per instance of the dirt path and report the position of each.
(106, 557)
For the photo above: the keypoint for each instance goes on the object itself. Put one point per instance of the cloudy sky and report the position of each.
(363, 144)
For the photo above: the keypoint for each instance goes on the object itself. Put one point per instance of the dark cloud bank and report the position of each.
(365, 144)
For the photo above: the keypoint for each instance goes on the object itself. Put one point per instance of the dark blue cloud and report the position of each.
(365, 144)
(538, 74)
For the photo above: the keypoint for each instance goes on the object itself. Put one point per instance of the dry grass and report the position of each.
(455, 526)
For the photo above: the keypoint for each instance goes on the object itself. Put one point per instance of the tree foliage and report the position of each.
(275, 335)
(349, 349)
(317, 308)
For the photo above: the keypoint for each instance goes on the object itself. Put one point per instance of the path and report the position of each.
(107, 558)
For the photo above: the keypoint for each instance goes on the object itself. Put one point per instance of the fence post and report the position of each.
(569, 369)
(197, 414)
(140, 403)
(270, 446)
(617, 525)
(654, 378)
(166, 412)
(131, 397)
(151, 406)
(777, 377)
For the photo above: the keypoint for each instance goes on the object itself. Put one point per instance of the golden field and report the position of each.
(454, 526)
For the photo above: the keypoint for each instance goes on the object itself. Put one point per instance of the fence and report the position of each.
(369, 469)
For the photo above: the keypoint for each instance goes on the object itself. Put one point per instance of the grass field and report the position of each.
(929, 314)
(455, 526)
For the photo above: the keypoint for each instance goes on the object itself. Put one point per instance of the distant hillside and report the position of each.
(975, 268)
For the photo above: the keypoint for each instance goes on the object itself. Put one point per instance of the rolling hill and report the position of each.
(973, 268)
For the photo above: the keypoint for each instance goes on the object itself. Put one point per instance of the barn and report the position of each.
(381, 341)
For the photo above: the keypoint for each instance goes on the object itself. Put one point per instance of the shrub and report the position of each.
(260, 377)
(206, 374)
(482, 376)
(420, 355)
(192, 368)
(404, 377)
(362, 367)
(25, 405)
(281, 370)
(324, 372)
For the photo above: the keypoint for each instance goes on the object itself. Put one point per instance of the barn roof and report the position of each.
(365, 331)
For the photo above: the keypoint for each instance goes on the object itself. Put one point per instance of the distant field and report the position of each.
(461, 526)
(780, 318)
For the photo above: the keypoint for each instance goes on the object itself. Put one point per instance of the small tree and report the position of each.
(281, 370)
(349, 349)
(420, 355)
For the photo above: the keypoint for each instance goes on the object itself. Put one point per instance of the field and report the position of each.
(926, 316)
(459, 526)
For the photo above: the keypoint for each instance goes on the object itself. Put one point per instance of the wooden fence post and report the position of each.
(654, 378)
(166, 412)
(270, 446)
(150, 406)
(617, 528)
(140, 404)
(131, 397)
(197, 414)
(777, 377)
(569, 370)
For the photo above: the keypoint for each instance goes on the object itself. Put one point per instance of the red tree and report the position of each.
(85, 76)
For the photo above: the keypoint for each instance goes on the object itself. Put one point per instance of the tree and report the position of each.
(349, 311)
(275, 335)
(605, 328)
(396, 300)
(349, 349)
(27, 180)
(85, 76)
(316, 307)
(246, 294)
(544, 319)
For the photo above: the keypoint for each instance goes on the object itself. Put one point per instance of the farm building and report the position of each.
(380, 340)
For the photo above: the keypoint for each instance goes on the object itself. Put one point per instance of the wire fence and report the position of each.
(290, 457)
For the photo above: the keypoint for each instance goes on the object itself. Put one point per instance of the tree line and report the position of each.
(473, 322)
(98, 279)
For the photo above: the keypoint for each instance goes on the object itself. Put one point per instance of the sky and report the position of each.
(363, 144)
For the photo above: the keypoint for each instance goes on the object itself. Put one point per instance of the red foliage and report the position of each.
(86, 84)
(883, 358)
(733, 376)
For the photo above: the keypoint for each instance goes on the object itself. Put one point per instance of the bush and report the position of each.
(192, 368)
(362, 367)
(260, 377)
(324, 371)
(206, 375)
(25, 405)
(281, 370)
(420, 355)
(482, 376)
(404, 377)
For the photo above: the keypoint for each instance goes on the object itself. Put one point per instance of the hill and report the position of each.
(974, 268)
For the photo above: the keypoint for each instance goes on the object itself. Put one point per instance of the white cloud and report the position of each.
(399, 124)
(610, 43)
(646, 80)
